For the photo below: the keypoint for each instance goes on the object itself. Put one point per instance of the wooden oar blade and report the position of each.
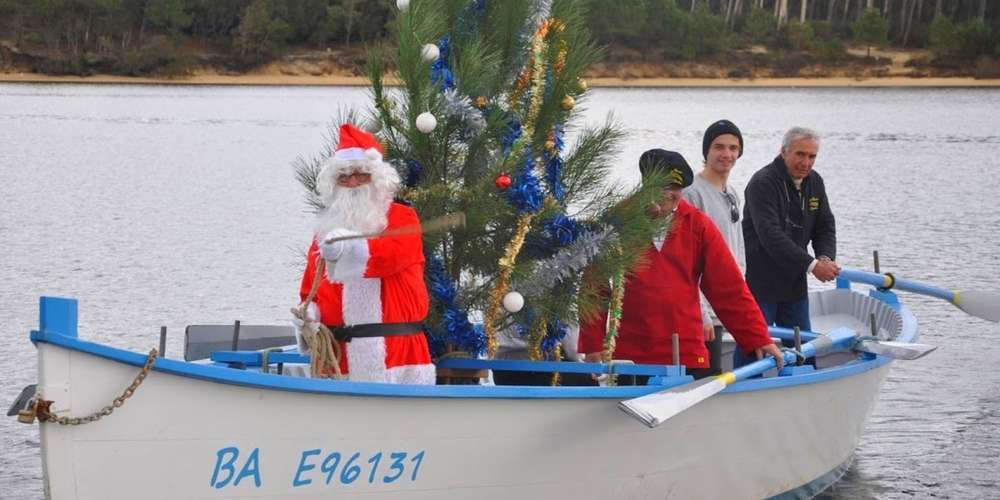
(980, 304)
(654, 409)
(897, 350)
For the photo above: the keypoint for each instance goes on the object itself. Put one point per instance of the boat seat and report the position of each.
(201, 340)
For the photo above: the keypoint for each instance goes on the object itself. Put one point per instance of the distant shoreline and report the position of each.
(349, 81)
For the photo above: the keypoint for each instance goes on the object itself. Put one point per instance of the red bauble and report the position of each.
(503, 182)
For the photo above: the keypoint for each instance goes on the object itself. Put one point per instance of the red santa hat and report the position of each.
(357, 151)
(356, 144)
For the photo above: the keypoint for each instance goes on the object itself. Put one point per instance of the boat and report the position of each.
(235, 428)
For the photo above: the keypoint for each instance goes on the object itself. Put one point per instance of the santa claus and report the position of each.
(373, 296)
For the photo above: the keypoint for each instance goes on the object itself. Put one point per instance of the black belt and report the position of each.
(346, 333)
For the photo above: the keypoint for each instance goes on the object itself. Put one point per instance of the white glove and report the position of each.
(333, 251)
(306, 328)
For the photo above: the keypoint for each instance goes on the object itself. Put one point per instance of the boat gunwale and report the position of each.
(258, 380)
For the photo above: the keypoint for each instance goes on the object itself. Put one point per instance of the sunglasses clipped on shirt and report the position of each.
(734, 210)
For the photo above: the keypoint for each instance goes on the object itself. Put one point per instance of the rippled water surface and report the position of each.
(160, 205)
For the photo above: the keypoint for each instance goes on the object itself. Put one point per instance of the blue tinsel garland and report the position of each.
(455, 328)
(441, 70)
(413, 172)
(554, 333)
(525, 194)
(563, 229)
(553, 166)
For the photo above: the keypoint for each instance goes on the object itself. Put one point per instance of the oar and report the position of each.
(907, 351)
(654, 409)
(978, 303)
(447, 221)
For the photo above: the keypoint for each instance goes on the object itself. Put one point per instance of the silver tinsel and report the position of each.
(460, 106)
(566, 263)
(539, 12)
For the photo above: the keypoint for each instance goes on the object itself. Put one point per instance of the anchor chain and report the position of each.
(41, 406)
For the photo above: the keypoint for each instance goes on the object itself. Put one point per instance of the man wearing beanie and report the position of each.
(711, 192)
(663, 298)
(786, 209)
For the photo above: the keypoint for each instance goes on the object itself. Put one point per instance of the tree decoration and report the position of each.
(430, 52)
(513, 302)
(460, 107)
(402, 5)
(426, 122)
(503, 182)
(615, 319)
(581, 86)
(481, 102)
(441, 74)
(459, 332)
(568, 103)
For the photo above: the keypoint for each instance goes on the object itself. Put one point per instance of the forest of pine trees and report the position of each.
(140, 37)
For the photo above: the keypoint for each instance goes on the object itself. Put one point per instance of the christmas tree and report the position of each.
(483, 95)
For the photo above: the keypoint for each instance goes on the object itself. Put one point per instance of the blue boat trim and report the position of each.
(63, 312)
(298, 384)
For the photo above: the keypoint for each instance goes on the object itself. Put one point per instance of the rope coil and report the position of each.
(324, 350)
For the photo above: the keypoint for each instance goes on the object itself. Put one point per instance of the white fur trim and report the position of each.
(357, 154)
(353, 261)
(366, 360)
(362, 302)
(413, 374)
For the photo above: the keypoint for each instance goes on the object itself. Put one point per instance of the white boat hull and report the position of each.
(177, 438)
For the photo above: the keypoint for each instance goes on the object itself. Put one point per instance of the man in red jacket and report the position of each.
(662, 298)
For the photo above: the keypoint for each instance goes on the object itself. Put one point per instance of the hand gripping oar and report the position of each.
(654, 409)
(985, 305)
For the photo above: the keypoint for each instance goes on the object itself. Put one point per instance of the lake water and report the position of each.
(166, 205)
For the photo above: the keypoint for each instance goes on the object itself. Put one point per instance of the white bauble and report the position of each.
(513, 302)
(426, 122)
(430, 52)
(402, 5)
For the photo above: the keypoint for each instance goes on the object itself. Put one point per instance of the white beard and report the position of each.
(363, 209)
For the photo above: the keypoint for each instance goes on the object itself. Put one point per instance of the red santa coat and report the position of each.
(378, 280)
(662, 299)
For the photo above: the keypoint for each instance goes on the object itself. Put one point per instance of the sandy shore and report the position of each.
(343, 80)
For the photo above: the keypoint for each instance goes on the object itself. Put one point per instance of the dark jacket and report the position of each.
(778, 222)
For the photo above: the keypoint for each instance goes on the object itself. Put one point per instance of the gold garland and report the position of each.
(535, 340)
(503, 281)
(615, 315)
(556, 355)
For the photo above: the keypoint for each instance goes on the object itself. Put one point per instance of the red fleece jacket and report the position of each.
(662, 298)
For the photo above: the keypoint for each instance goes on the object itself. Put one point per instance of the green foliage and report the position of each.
(872, 29)
(797, 36)
(760, 27)
(944, 39)
(159, 57)
(171, 15)
(974, 38)
(262, 29)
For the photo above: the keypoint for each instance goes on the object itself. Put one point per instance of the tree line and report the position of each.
(168, 36)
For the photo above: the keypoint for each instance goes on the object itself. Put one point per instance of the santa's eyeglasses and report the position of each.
(359, 176)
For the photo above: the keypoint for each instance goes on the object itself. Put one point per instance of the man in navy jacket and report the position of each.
(786, 209)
